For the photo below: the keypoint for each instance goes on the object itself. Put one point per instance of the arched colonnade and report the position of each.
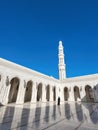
(77, 93)
(28, 91)
(38, 91)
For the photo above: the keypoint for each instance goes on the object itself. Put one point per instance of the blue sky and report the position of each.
(31, 29)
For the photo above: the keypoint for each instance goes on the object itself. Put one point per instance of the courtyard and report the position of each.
(49, 116)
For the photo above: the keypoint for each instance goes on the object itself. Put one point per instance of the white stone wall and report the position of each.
(9, 70)
(81, 83)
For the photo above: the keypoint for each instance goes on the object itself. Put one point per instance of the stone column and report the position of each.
(43, 93)
(34, 93)
(51, 94)
(21, 92)
(4, 90)
(2, 87)
(96, 93)
(71, 94)
(62, 94)
(57, 92)
(82, 93)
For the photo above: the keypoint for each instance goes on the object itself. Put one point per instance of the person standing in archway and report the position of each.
(58, 100)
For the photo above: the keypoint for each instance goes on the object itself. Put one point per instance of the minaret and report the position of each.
(61, 65)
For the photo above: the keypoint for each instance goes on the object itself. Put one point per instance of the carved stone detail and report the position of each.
(7, 81)
(25, 84)
(80, 88)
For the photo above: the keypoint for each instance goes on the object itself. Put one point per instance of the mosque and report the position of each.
(19, 84)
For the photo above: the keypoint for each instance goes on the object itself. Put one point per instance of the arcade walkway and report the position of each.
(68, 116)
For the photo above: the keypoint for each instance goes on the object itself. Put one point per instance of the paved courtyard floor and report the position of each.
(49, 116)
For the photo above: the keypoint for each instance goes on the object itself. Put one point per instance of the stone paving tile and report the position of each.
(88, 128)
(63, 126)
(49, 116)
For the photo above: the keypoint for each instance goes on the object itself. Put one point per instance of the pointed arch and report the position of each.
(28, 91)
(76, 93)
(47, 92)
(39, 92)
(54, 93)
(89, 93)
(14, 87)
(66, 94)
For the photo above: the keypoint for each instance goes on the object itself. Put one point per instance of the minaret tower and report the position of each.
(61, 65)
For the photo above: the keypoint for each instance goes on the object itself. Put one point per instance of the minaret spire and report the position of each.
(61, 65)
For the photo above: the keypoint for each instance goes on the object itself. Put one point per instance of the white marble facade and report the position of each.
(19, 84)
